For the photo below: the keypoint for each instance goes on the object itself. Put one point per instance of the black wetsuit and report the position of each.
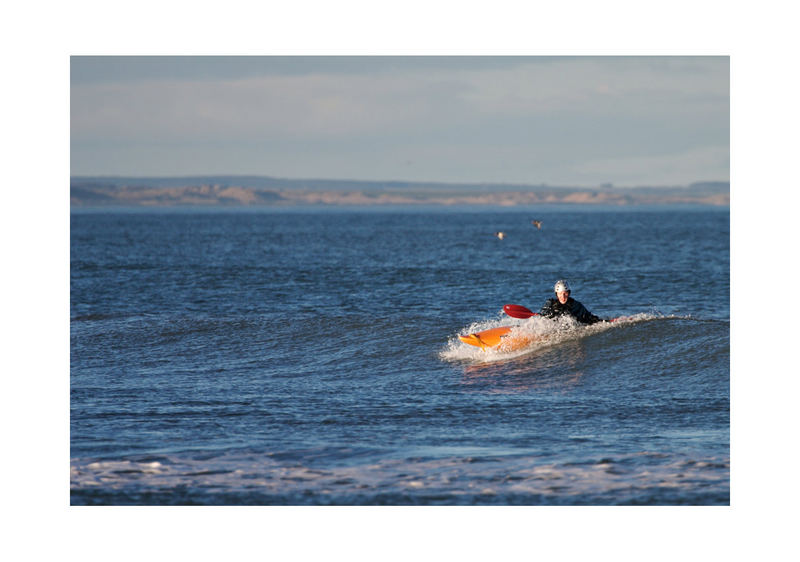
(552, 309)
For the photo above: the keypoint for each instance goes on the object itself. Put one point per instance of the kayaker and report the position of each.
(565, 304)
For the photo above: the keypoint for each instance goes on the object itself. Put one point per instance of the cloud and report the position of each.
(349, 104)
(583, 114)
(700, 163)
(253, 107)
(587, 86)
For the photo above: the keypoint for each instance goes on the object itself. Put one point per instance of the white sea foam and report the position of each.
(625, 477)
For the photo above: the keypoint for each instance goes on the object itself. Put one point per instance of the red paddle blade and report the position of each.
(517, 311)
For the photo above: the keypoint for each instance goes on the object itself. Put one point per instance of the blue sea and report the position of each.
(309, 356)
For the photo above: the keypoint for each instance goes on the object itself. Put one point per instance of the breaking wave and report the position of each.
(543, 333)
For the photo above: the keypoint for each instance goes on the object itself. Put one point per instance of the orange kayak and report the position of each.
(500, 338)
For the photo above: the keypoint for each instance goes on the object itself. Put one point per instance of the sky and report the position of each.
(578, 121)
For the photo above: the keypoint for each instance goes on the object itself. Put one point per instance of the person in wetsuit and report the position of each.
(565, 304)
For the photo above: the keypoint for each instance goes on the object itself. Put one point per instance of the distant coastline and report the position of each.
(265, 191)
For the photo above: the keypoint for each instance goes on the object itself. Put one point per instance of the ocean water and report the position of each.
(310, 357)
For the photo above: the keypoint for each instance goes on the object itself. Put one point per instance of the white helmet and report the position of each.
(561, 285)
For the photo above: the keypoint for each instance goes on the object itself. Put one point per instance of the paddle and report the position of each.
(517, 311)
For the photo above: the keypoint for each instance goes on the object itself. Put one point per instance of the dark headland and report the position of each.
(209, 191)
